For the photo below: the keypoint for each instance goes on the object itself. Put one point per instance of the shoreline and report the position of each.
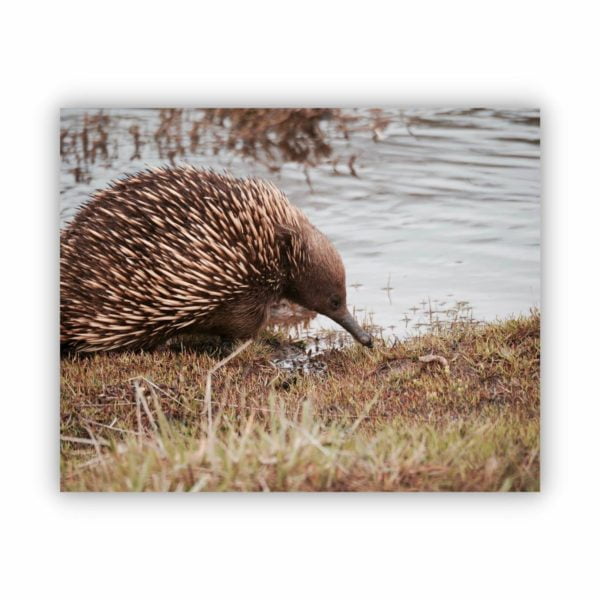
(367, 420)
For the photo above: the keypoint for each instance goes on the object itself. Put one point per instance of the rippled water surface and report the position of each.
(445, 208)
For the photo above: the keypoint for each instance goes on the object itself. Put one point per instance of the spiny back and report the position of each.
(158, 250)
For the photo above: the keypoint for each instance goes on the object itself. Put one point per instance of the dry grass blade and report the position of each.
(435, 358)
(211, 371)
(88, 441)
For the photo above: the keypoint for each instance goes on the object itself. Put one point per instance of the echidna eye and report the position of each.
(335, 302)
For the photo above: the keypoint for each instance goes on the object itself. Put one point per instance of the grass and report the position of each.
(376, 419)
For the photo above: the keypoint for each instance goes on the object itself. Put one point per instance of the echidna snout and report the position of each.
(321, 285)
(348, 322)
(329, 300)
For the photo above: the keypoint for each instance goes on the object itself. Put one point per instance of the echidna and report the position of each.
(170, 251)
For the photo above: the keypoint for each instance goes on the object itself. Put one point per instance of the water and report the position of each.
(445, 208)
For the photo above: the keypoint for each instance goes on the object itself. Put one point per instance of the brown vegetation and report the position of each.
(376, 419)
(269, 136)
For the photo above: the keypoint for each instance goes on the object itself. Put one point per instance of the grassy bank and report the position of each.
(375, 419)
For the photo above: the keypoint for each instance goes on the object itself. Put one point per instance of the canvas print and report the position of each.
(300, 299)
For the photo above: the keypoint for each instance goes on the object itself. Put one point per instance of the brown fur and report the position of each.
(170, 251)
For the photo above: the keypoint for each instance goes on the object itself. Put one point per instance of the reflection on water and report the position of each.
(444, 211)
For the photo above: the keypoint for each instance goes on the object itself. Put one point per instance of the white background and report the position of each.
(279, 54)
